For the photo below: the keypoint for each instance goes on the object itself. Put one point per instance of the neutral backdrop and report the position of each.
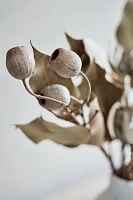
(38, 172)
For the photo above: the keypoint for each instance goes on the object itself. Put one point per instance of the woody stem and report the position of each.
(51, 99)
(88, 92)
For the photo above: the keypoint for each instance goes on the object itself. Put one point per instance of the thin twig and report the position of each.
(72, 115)
(108, 157)
(105, 153)
(93, 116)
(88, 92)
(76, 99)
(89, 86)
(43, 97)
(82, 115)
(52, 99)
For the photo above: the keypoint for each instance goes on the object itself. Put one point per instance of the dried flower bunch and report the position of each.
(104, 89)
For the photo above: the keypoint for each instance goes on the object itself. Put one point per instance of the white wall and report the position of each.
(29, 171)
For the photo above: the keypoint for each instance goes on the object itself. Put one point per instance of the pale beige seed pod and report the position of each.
(20, 63)
(58, 92)
(123, 124)
(65, 63)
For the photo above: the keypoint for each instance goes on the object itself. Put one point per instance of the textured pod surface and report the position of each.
(20, 62)
(55, 91)
(65, 63)
(123, 124)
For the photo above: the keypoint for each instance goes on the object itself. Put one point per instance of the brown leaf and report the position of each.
(97, 53)
(78, 47)
(124, 31)
(97, 126)
(39, 79)
(115, 79)
(44, 76)
(89, 50)
(40, 129)
(106, 92)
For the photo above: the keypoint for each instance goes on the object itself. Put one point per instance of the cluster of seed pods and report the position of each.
(66, 63)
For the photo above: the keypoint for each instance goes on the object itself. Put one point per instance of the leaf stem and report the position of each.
(52, 99)
(76, 100)
(43, 97)
(108, 157)
(96, 111)
(88, 92)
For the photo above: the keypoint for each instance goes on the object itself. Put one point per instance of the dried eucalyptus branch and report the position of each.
(51, 83)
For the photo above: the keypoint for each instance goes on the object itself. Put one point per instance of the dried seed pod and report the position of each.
(65, 63)
(123, 124)
(20, 62)
(55, 91)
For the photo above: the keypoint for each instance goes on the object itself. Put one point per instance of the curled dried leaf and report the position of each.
(89, 50)
(115, 79)
(97, 125)
(126, 64)
(39, 130)
(78, 47)
(39, 79)
(106, 92)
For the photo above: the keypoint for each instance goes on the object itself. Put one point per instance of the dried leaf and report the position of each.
(124, 31)
(106, 92)
(40, 129)
(89, 50)
(44, 76)
(39, 79)
(78, 47)
(115, 79)
(97, 52)
(62, 115)
(97, 126)
(126, 64)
